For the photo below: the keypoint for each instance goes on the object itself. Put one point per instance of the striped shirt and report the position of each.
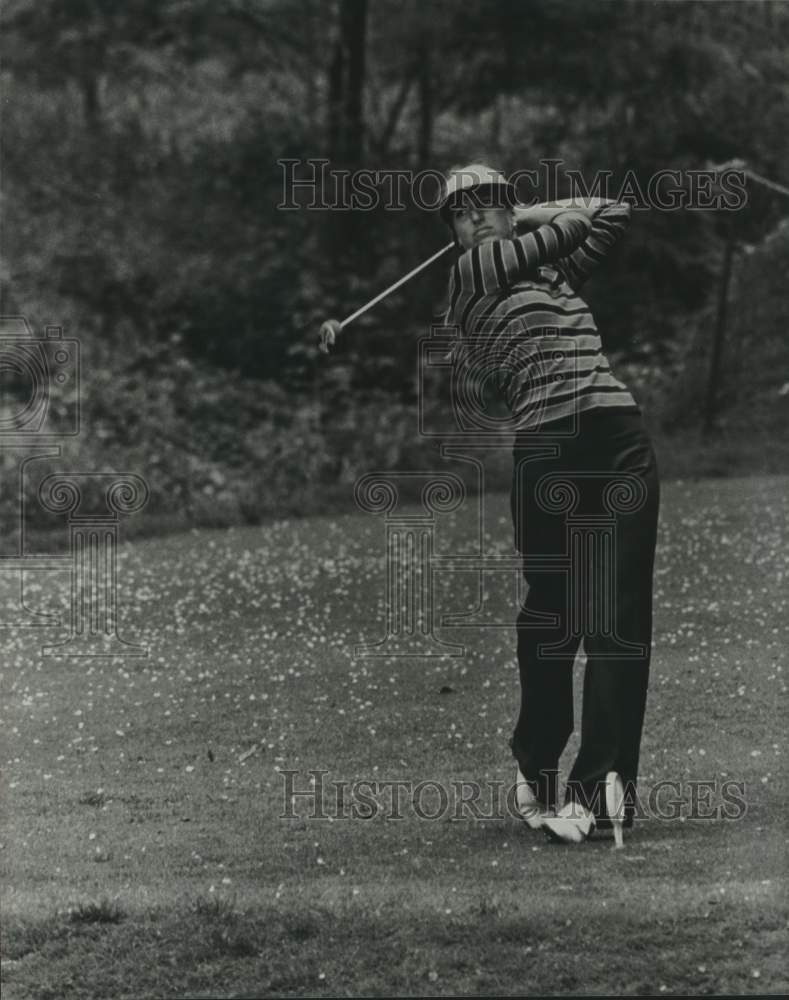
(524, 327)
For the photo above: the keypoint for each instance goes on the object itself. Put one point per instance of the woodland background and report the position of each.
(141, 184)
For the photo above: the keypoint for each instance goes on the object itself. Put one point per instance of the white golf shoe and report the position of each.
(572, 824)
(529, 807)
(615, 806)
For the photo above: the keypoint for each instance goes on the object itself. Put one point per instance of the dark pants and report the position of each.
(586, 522)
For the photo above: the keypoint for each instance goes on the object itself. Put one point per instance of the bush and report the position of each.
(216, 448)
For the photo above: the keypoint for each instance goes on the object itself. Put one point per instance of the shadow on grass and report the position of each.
(212, 945)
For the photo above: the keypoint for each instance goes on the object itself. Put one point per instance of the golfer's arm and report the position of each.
(609, 222)
(491, 266)
(532, 216)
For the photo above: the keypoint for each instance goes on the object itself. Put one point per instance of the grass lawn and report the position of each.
(144, 849)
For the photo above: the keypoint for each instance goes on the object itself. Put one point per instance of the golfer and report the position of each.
(513, 295)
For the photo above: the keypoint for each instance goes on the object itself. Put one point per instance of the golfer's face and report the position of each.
(475, 225)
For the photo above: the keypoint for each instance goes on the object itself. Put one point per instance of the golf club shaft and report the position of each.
(766, 182)
(440, 253)
(396, 285)
(741, 165)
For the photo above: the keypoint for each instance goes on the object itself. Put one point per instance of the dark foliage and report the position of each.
(142, 189)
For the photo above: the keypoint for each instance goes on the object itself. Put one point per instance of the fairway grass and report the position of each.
(149, 848)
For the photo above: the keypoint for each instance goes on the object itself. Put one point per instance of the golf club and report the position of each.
(331, 327)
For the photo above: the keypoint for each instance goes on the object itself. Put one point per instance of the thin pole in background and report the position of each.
(719, 334)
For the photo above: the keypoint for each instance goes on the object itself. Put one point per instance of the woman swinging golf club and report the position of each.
(579, 438)
(581, 449)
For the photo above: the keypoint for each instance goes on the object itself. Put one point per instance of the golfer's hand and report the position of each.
(327, 335)
(533, 216)
(526, 217)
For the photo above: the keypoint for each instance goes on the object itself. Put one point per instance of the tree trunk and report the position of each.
(310, 81)
(392, 119)
(425, 139)
(89, 85)
(495, 126)
(346, 86)
(336, 87)
(716, 359)
(353, 17)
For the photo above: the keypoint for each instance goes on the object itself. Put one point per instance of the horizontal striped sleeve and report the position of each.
(608, 227)
(452, 293)
(494, 264)
(536, 341)
(509, 255)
